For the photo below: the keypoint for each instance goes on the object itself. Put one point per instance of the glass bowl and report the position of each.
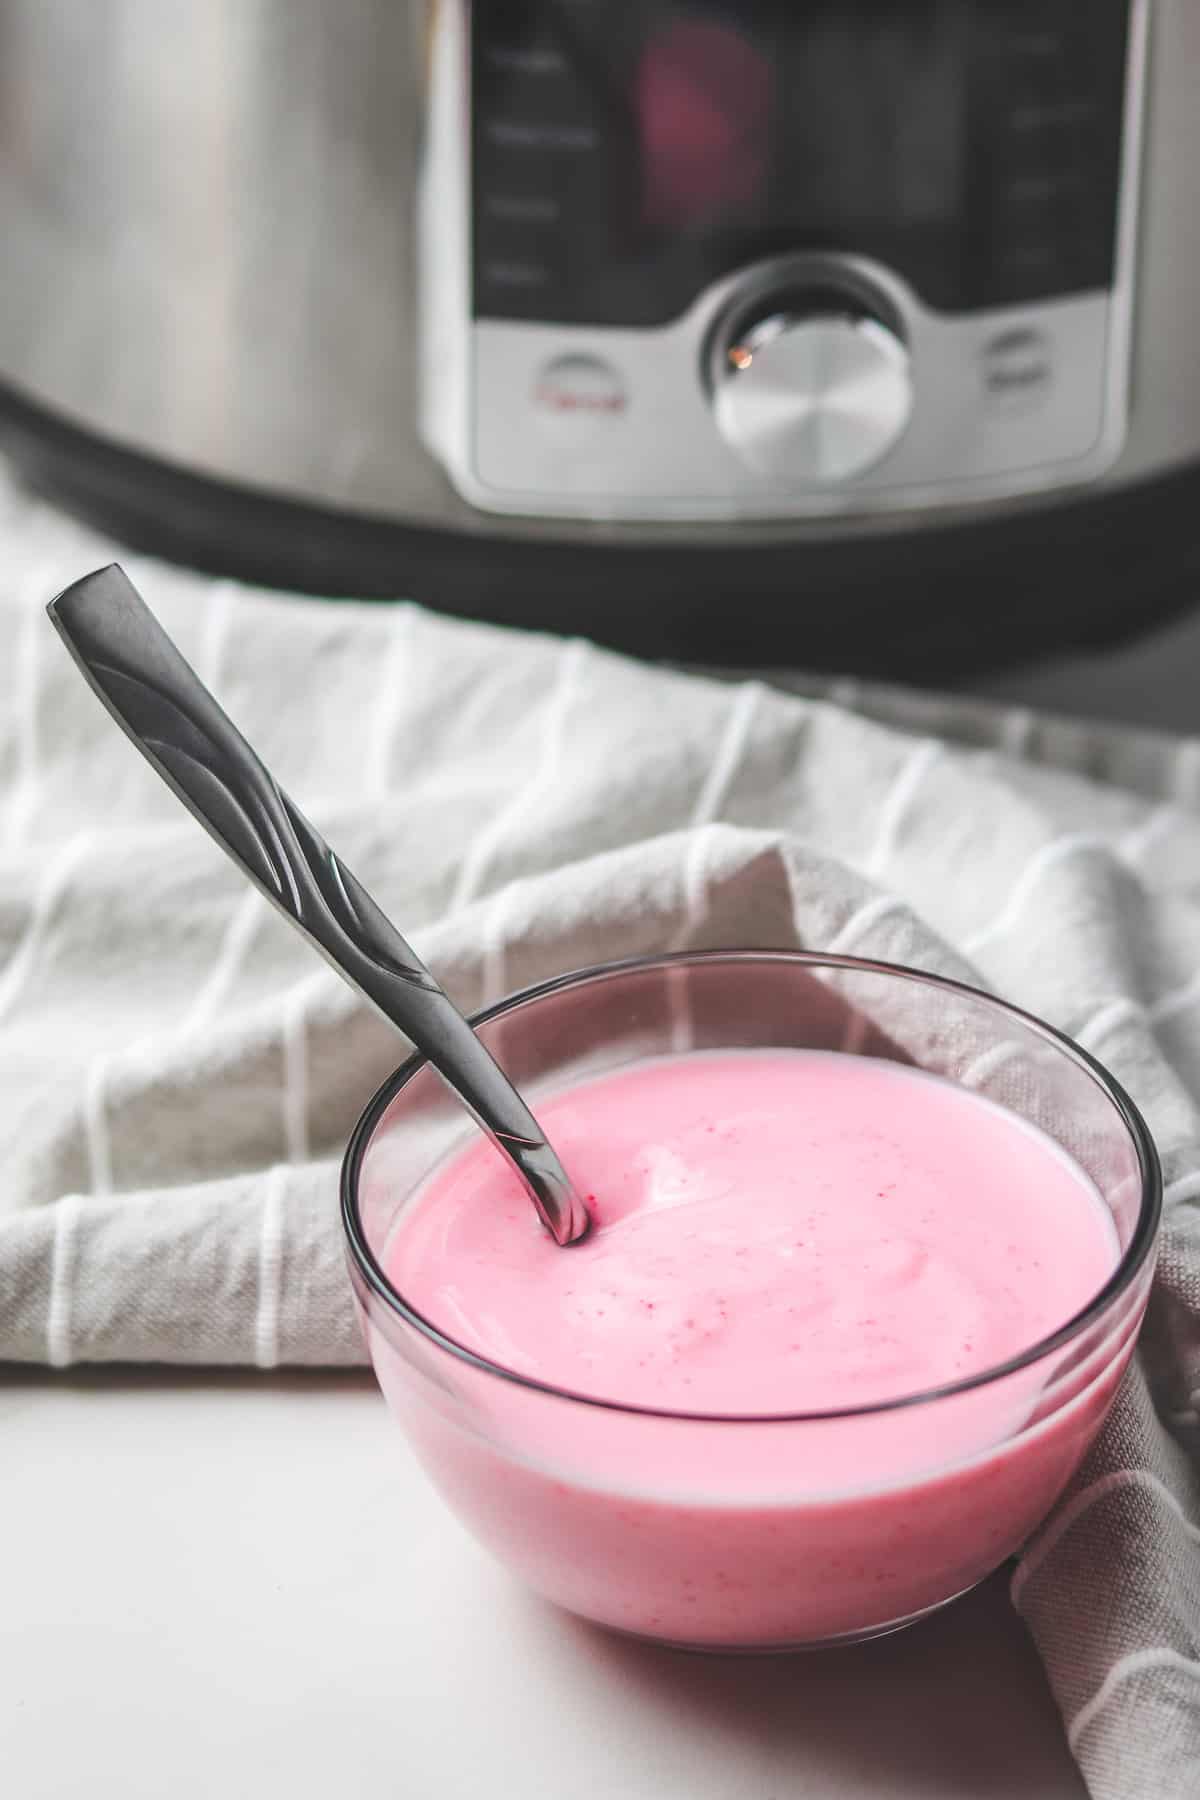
(753, 1532)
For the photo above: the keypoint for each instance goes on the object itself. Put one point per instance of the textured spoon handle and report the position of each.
(165, 709)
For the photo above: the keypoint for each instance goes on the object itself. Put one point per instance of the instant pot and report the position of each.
(859, 333)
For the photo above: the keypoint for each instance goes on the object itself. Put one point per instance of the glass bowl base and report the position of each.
(843, 1640)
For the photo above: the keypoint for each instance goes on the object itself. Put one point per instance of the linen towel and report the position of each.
(178, 1074)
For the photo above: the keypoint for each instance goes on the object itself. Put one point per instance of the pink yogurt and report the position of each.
(776, 1233)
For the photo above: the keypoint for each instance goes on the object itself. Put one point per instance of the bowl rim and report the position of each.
(1130, 1264)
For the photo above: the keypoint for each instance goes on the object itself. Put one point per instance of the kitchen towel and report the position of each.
(178, 1073)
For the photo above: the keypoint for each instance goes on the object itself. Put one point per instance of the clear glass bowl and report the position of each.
(755, 1532)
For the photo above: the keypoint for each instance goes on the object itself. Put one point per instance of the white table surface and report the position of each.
(243, 1586)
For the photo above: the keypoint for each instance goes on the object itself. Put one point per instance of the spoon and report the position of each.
(162, 705)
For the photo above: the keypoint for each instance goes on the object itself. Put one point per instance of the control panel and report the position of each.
(695, 258)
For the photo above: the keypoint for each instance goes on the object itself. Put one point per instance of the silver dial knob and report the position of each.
(813, 398)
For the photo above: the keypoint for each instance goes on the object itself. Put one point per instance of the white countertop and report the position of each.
(243, 1586)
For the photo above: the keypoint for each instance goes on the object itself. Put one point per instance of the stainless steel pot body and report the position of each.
(207, 208)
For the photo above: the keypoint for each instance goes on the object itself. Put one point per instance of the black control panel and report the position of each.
(627, 153)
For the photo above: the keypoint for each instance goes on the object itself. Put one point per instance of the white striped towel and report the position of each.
(178, 1075)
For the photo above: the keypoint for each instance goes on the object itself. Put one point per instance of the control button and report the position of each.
(1038, 190)
(522, 209)
(578, 399)
(1027, 258)
(508, 274)
(1017, 369)
(526, 59)
(1050, 116)
(531, 134)
(814, 398)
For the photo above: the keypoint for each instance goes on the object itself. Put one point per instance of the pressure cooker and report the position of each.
(855, 333)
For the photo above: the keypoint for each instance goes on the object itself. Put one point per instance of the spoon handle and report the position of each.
(165, 709)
